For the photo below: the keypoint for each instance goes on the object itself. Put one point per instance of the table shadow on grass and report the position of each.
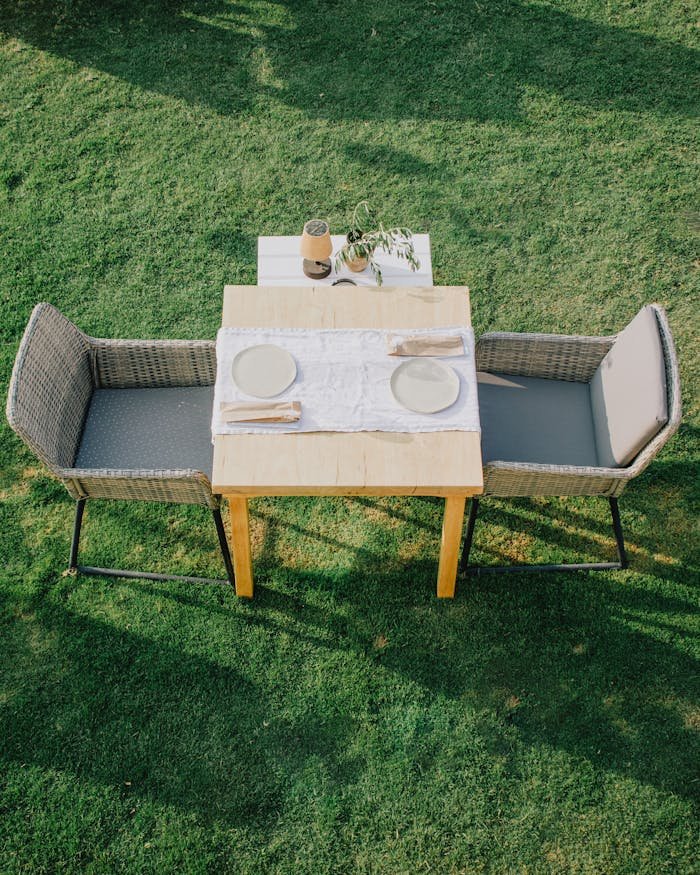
(567, 648)
(410, 60)
(582, 680)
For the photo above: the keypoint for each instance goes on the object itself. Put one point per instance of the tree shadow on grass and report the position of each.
(557, 659)
(150, 720)
(598, 667)
(553, 657)
(363, 60)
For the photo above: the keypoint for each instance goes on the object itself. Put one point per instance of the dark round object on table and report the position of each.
(344, 281)
(317, 270)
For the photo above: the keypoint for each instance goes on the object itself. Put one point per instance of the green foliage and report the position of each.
(363, 244)
(346, 721)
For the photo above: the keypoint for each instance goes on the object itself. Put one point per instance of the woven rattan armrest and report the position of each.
(146, 364)
(523, 478)
(549, 356)
(183, 486)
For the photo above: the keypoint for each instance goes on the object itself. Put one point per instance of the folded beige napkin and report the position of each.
(427, 344)
(265, 411)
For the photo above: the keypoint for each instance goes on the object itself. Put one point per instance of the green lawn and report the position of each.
(346, 721)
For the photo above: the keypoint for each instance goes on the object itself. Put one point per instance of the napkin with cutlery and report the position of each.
(264, 411)
(425, 344)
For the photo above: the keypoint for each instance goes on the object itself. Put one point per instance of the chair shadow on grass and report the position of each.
(406, 61)
(147, 719)
(566, 648)
(594, 666)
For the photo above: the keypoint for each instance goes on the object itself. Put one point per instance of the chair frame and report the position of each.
(621, 564)
(50, 419)
(572, 358)
(97, 571)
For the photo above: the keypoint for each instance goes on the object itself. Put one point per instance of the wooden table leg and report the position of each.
(449, 546)
(240, 546)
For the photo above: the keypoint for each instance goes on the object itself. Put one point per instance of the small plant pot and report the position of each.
(356, 264)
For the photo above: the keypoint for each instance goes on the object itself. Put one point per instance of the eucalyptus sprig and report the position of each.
(361, 225)
(398, 241)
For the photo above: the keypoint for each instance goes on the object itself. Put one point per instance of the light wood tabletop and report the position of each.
(445, 463)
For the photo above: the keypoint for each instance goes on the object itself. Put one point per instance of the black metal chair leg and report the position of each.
(146, 575)
(623, 561)
(79, 510)
(223, 543)
(466, 549)
(619, 537)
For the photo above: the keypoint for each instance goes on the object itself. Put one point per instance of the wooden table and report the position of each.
(280, 264)
(445, 463)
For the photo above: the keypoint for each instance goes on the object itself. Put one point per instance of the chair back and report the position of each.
(51, 387)
(673, 395)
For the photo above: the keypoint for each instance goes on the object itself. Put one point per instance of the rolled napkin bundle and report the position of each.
(429, 344)
(266, 411)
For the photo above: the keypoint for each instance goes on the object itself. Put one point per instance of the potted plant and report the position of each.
(362, 243)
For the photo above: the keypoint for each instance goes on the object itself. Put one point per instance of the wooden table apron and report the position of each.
(446, 464)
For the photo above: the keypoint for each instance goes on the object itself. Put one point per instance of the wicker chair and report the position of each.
(119, 419)
(556, 363)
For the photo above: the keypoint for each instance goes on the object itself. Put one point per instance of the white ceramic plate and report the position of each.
(425, 385)
(264, 370)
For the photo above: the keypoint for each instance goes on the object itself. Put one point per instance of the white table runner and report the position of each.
(343, 381)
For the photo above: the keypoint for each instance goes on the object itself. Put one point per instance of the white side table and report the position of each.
(280, 264)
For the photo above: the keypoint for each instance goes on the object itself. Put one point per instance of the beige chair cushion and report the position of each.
(628, 392)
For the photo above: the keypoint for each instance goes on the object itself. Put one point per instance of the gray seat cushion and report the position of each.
(628, 392)
(527, 419)
(149, 428)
